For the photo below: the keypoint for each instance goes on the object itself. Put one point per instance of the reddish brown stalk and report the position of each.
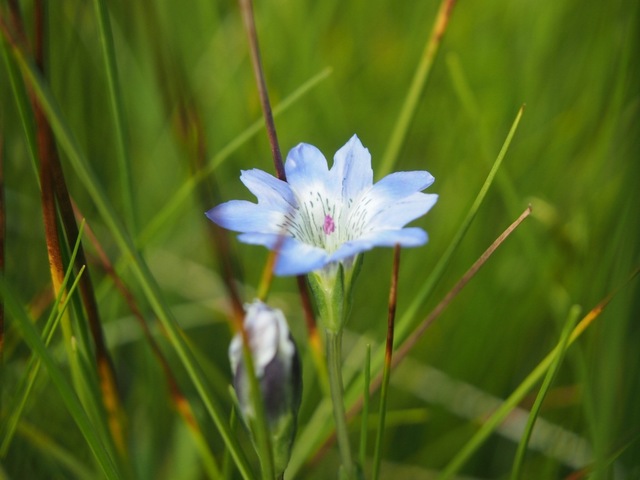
(54, 194)
(246, 8)
(46, 147)
(388, 355)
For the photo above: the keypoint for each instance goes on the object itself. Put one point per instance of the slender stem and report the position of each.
(114, 94)
(393, 297)
(246, 8)
(334, 362)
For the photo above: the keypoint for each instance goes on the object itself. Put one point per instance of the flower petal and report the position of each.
(298, 258)
(306, 169)
(406, 237)
(244, 216)
(268, 189)
(351, 170)
(294, 257)
(389, 191)
(401, 184)
(401, 212)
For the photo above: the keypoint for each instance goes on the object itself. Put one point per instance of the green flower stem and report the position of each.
(334, 361)
(332, 290)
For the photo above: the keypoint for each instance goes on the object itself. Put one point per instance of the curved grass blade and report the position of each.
(115, 100)
(405, 323)
(516, 472)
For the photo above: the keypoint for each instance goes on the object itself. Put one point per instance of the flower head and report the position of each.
(278, 371)
(320, 216)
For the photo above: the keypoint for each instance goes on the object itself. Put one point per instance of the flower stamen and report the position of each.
(329, 225)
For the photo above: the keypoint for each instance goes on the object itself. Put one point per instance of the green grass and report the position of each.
(154, 109)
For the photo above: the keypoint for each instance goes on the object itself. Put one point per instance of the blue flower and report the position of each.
(321, 216)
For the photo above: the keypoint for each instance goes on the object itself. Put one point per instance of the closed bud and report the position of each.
(277, 369)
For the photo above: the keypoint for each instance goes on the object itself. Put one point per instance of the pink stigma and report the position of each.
(329, 226)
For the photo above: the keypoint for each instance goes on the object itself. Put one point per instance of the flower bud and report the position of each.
(277, 369)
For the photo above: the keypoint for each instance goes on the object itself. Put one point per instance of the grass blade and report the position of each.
(32, 337)
(418, 83)
(20, 400)
(128, 249)
(520, 392)
(115, 100)
(546, 384)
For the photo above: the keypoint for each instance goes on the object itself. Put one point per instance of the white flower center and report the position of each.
(327, 223)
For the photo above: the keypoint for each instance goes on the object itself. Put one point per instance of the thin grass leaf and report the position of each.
(226, 458)
(416, 89)
(115, 100)
(406, 322)
(106, 462)
(56, 205)
(246, 8)
(128, 249)
(563, 344)
(20, 399)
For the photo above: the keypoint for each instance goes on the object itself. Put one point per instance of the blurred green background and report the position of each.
(188, 87)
